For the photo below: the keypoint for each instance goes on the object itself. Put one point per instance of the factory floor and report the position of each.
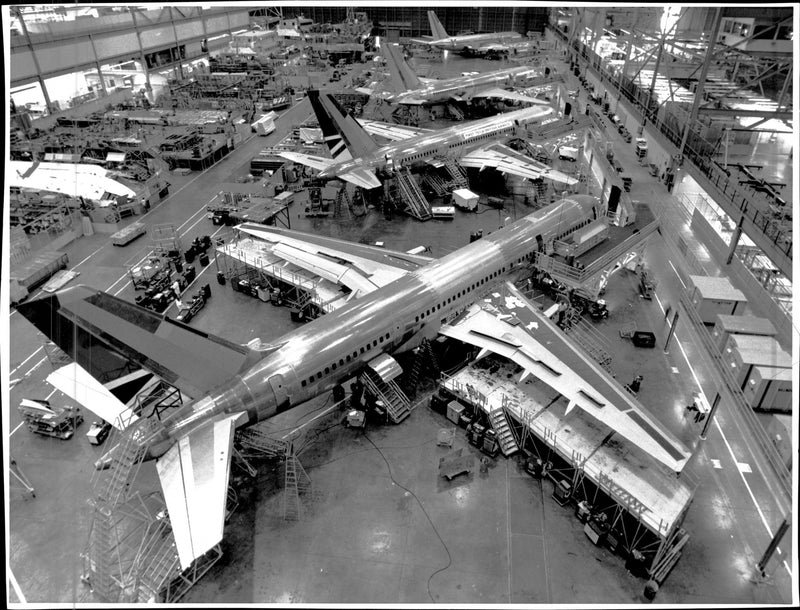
(380, 525)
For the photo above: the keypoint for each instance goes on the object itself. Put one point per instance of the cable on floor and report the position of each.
(436, 531)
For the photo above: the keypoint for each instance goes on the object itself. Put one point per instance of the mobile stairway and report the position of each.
(408, 191)
(378, 378)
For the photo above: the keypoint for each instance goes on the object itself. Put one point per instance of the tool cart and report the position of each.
(43, 418)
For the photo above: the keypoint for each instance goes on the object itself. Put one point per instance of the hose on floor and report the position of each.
(436, 531)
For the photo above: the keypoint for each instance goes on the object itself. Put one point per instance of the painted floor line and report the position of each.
(24, 361)
(16, 586)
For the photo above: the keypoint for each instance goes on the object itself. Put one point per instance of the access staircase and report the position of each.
(455, 112)
(436, 183)
(458, 177)
(396, 402)
(411, 195)
(258, 441)
(113, 555)
(505, 438)
(422, 355)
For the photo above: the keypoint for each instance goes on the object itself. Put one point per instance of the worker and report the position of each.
(176, 288)
(650, 589)
(634, 385)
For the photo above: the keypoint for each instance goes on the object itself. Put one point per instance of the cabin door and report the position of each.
(278, 386)
(539, 243)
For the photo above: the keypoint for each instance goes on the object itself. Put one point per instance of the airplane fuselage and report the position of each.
(472, 42)
(325, 352)
(448, 142)
(466, 86)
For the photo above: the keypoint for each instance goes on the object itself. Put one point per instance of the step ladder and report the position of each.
(296, 482)
(411, 195)
(458, 176)
(505, 438)
(19, 480)
(396, 402)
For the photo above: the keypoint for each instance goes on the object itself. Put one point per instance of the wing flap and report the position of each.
(194, 478)
(390, 131)
(509, 161)
(77, 383)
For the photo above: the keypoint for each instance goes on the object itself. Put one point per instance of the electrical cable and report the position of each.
(436, 531)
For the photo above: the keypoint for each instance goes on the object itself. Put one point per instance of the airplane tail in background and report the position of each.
(332, 116)
(330, 134)
(403, 77)
(437, 29)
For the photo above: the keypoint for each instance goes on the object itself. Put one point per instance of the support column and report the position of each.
(701, 81)
(773, 545)
(177, 43)
(35, 62)
(737, 234)
(141, 52)
(710, 417)
(97, 65)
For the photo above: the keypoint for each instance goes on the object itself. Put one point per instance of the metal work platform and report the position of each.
(644, 504)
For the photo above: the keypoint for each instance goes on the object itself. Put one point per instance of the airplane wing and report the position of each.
(513, 96)
(509, 161)
(511, 326)
(102, 332)
(359, 267)
(194, 477)
(77, 383)
(391, 132)
(312, 161)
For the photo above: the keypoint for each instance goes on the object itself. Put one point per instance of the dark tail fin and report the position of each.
(357, 141)
(330, 134)
(403, 77)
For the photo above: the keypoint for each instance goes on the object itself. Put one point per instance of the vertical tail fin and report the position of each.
(330, 134)
(358, 142)
(437, 29)
(403, 77)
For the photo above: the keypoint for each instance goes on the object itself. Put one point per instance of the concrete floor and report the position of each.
(381, 526)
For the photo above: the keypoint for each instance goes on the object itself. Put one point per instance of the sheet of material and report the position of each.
(76, 382)
(194, 476)
(537, 345)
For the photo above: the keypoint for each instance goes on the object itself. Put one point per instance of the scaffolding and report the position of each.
(587, 465)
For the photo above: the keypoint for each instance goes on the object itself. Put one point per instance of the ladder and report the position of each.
(410, 193)
(257, 440)
(396, 402)
(508, 445)
(457, 174)
(296, 481)
(19, 480)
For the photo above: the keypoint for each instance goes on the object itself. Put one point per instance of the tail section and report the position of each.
(330, 134)
(437, 29)
(403, 77)
(330, 112)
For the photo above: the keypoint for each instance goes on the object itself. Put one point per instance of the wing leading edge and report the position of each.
(512, 327)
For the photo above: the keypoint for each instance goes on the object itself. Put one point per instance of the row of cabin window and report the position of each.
(347, 358)
(459, 294)
(575, 228)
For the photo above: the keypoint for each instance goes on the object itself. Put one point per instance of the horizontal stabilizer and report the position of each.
(364, 178)
(76, 382)
(194, 478)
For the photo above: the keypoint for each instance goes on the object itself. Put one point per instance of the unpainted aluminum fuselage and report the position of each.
(450, 141)
(329, 350)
